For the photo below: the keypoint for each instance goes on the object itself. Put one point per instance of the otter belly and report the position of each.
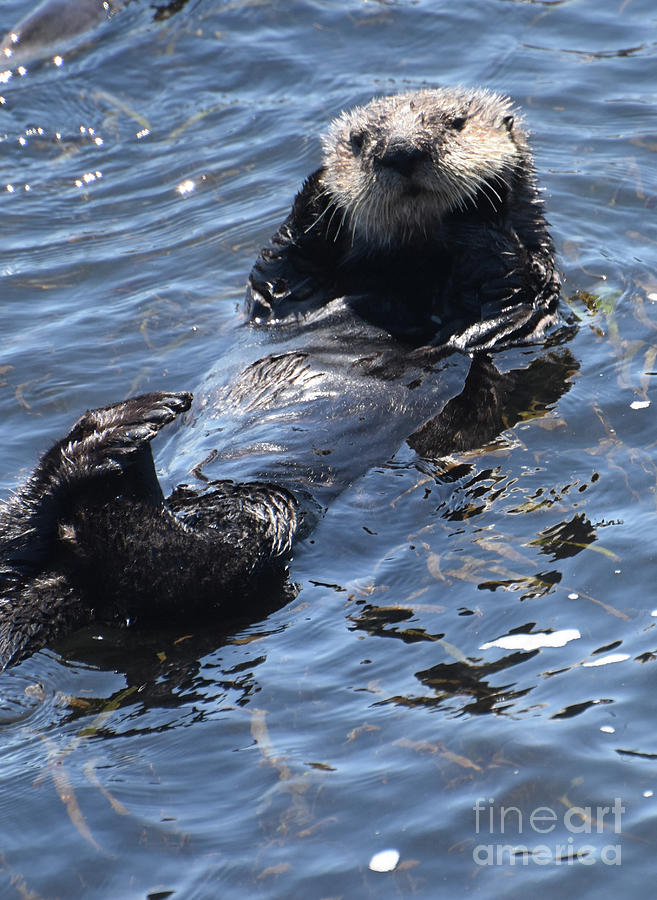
(314, 415)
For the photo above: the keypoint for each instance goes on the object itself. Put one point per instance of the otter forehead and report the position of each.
(398, 164)
(418, 112)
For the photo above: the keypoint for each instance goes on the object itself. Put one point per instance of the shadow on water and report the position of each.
(165, 668)
(490, 403)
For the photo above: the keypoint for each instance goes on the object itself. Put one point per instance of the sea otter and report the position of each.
(419, 242)
(425, 214)
(415, 250)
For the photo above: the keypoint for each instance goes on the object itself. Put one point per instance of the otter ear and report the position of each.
(458, 124)
(357, 139)
(507, 121)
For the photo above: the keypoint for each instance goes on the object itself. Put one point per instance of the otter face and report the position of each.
(395, 167)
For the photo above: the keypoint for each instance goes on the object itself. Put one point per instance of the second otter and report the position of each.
(426, 214)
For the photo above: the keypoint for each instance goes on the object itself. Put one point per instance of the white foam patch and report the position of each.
(534, 641)
(385, 861)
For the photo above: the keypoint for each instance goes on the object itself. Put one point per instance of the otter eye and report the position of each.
(357, 139)
(507, 121)
(459, 123)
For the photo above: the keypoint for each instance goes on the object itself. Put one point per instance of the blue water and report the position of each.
(138, 180)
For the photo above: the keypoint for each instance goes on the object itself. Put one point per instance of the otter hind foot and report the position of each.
(103, 439)
(107, 450)
(89, 537)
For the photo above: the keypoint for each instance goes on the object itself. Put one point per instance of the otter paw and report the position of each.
(122, 429)
(146, 414)
(104, 439)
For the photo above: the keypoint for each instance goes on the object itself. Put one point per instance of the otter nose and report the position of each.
(402, 157)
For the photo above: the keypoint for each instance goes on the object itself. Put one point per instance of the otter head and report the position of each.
(395, 168)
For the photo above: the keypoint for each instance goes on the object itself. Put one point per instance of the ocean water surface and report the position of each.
(466, 676)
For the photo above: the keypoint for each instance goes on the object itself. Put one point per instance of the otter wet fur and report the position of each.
(89, 537)
(426, 214)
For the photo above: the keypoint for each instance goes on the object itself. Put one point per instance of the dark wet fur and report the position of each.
(90, 538)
